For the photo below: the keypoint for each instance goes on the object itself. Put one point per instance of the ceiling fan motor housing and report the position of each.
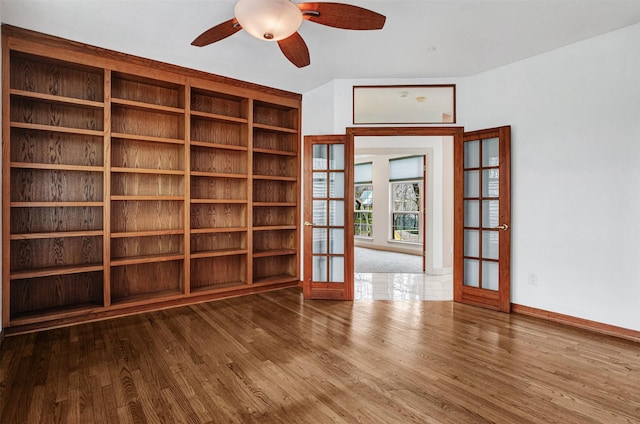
(270, 20)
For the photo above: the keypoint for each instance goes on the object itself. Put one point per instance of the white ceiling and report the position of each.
(421, 39)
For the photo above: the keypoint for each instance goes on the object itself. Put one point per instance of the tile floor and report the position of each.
(397, 286)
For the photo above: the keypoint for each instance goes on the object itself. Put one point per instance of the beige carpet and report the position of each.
(370, 260)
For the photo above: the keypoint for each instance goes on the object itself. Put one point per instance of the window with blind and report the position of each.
(363, 196)
(406, 181)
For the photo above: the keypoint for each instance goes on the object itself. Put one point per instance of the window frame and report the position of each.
(419, 212)
(369, 212)
(404, 178)
(367, 182)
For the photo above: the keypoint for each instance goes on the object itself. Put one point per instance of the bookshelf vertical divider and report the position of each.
(106, 208)
(131, 185)
(250, 192)
(187, 190)
(6, 158)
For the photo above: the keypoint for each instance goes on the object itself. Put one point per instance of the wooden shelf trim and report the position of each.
(274, 178)
(273, 128)
(218, 230)
(279, 204)
(217, 253)
(146, 106)
(275, 252)
(146, 259)
(217, 174)
(218, 201)
(58, 270)
(273, 279)
(51, 128)
(274, 152)
(148, 233)
(60, 312)
(55, 204)
(59, 234)
(274, 227)
(216, 117)
(218, 145)
(57, 167)
(146, 198)
(145, 298)
(219, 287)
(135, 137)
(56, 99)
(120, 169)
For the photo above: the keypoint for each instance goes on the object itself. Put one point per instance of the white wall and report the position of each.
(447, 204)
(318, 112)
(575, 117)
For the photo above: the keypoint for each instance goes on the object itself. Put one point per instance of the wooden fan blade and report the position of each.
(217, 33)
(340, 15)
(296, 50)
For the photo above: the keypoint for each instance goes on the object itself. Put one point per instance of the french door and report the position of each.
(482, 213)
(482, 222)
(328, 197)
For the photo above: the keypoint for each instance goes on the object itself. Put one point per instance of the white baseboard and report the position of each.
(439, 271)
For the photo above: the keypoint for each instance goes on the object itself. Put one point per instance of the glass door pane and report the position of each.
(328, 213)
(481, 213)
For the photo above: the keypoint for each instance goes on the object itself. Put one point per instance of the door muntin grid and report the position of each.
(481, 213)
(328, 204)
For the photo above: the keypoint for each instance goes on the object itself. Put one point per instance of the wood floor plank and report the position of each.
(35, 407)
(110, 413)
(274, 358)
(17, 399)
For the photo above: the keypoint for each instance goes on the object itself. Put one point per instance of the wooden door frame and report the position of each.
(456, 132)
(423, 214)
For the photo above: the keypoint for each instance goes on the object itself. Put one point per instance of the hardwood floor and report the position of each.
(272, 358)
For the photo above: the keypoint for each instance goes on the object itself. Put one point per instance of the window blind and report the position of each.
(407, 168)
(363, 173)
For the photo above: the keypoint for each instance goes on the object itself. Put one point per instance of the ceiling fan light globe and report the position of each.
(270, 20)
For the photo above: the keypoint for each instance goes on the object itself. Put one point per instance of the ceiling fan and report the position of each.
(279, 20)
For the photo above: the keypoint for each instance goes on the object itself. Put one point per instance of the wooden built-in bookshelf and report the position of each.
(130, 185)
